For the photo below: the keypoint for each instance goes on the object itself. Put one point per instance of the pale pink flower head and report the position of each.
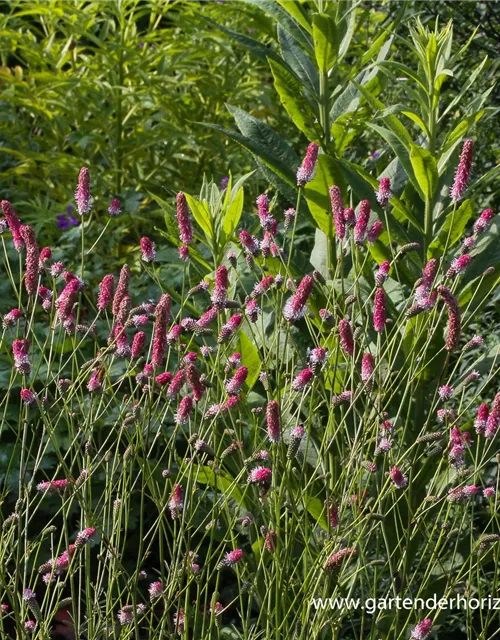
(459, 265)
(384, 192)
(20, 351)
(231, 558)
(94, 384)
(155, 590)
(273, 421)
(481, 419)
(318, 355)
(184, 253)
(148, 249)
(382, 273)
(260, 475)
(306, 171)
(489, 492)
(252, 310)
(445, 392)
(183, 220)
(11, 318)
(463, 172)
(114, 208)
(53, 486)
(399, 480)
(30, 626)
(85, 536)
(422, 630)
(82, 193)
(290, 215)
(176, 503)
(267, 222)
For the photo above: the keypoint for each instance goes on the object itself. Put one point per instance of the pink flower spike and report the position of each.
(14, 225)
(382, 273)
(306, 171)
(184, 411)
(32, 259)
(138, 344)
(384, 192)
(362, 222)
(399, 480)
(296, 305)
(422, 630)
(273, 421)
(184, 253)
(121, 289)
(367, 367)
(235, 384)
(249, 243)
(379, 311)
(349, 217)
(489, 492)
(229, 328)
(176, 385)
(176, 503)
(82, 193)
(231, 558)
(106, 292)
(155, 590)
(162, 317)
(454, 321)
(194, 382)
(219, 296)
(374, 232)
(20, 352)
(463, 172)
(267, 222)
(346, 337)
(481, 419)
(148, 249)
(338, 212)
(303, 379)
(85, 536)
(11, 318)
(483, 222)
(28, 397)
(260, 475)
(183, 220)
(445, 392)
(114, 208)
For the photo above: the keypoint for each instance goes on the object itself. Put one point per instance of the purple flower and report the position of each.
(223, 183)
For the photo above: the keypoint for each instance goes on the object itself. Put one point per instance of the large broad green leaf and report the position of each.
(263, 142)
(297, 107)
(299, 61)
(425, 170)
(201, 213)
(233, 213)
(297, 12)
(249, 358)
(326, 45)
(317, 192)
(452, 230)
(285, 20)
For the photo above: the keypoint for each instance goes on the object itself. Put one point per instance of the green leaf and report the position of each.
(319, 255)
(201, 213)
(425, 170)
(317, 510)
(317, 195)
(297, 12)
(299, 62)
(221, 481)
(233, 213)
(326, 45)
(452, 230)
(297, 107)
(249, 358)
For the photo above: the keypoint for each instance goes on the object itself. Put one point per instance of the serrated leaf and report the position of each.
(297, 107)
(299, 62)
